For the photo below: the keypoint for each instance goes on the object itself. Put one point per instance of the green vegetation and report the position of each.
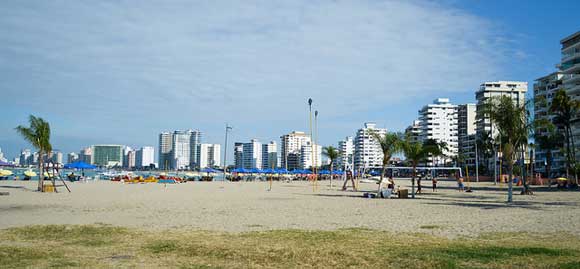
(74, 246)
(38, 135)
(332, 154)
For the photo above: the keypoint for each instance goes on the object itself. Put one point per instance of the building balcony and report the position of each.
(571, 56)
(571, 78)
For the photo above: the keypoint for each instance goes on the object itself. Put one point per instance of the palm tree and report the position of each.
(331, 153)
(415, 153)
(566, 110)
(390, 143)
(485, 147)
(38, 134)
(511, 122)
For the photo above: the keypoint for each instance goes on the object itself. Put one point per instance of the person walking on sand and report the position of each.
(419, 185)
(434, 180)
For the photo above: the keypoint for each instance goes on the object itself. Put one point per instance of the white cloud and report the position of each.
(190, 63)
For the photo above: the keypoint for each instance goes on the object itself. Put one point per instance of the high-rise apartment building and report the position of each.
(570, 67)
(252, 155)
(346, 150)
(194, 142)
(308, 160)
(466, 132)
(72, 157)
(438, 121)
(86, 155)
(26, 157)
(238, 154)
(270, 155)
(513, 89)
(165, 151)
(208, 155)
(107, 155)
(144, 157)
(367, 151)
(181, 149)
(413, 131)
(292, 144)
(544, 90)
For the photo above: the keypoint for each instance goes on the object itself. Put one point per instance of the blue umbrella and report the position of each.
(337, 172)
(255, 171)
(79, 165)
(306, 172)
(282, 171)
(5, 164)
(324, 172)
(209, 170)
(268, 171)
(296, 171)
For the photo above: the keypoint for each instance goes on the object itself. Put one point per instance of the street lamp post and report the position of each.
(226, 151)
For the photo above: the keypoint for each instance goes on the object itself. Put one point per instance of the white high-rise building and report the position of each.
(56, 157)
(570, 67)
(438, 121)
(252, 154)
(72, 157)
(2, 156)
(545, 88)
(414, 131)
(270, 155)
(86, 155)
(513, 89)
(145, 157)
(346, 150)
(466, 132)
(165, 150)
(194, 142)
(208, 155)
(290, 147)
(26, 157)
(181, 149)
(367, 151)
(306, 157)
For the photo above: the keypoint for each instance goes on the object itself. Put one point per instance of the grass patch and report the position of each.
(65, 246)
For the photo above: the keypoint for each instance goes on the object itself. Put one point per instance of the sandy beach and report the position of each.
(249, 206)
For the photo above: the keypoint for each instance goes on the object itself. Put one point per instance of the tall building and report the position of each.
(438, 121)
(346, 150)
(570, 67)
(56, 157)
(270, 155)
(165, 151)
(292, 144)
(26, 157)
(514, 89)
(145, 156)
(107, 155)
(208, 155)
(194, 142)
(72, 157)
(466, 132)
(2, 156)
(181, 149)
(252, 154)
(238, 157)
(131, 159)
(126, 151)
(414, 131)
(86, 155)
(367, 151)
(309, 160)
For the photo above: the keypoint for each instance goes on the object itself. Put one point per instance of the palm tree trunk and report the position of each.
(41, 170)
(511, 181)
(568, 159)
(381, 180)
(573, 155)
(413, 181)
(548, 162)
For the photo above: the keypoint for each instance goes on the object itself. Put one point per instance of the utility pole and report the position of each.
(476, 163)
(226, 151)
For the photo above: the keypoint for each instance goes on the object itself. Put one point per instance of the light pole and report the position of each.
(316, 147)
(476, 163)
(226, 151)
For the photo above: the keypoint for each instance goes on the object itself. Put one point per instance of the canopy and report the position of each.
(239, 170)
(269, 171)
(255, 171)
(5, 164)
(282, 171)
(337, 172)
(79, 165)
(324, 172)
(5, 173)
(209, 170)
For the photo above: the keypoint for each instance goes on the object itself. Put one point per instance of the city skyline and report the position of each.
(111, 78)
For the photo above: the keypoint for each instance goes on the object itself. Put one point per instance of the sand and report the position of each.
(249, 206)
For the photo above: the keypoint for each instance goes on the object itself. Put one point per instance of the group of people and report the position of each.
(419, 186)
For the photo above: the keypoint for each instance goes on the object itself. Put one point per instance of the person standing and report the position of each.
(434, 180)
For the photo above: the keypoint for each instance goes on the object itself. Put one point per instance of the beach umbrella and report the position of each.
(29, 173)
(5, 173)
(268, 171)
(337, 172)
(296, 171)
(255, 171)
(282, 171)
(209, 170)
(324, 172)
(306, 171)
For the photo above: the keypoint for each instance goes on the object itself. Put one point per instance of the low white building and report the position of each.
(208, 155)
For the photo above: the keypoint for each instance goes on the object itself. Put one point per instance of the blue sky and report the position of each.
(118, 72)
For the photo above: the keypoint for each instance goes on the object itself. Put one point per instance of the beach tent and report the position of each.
(282, 171)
